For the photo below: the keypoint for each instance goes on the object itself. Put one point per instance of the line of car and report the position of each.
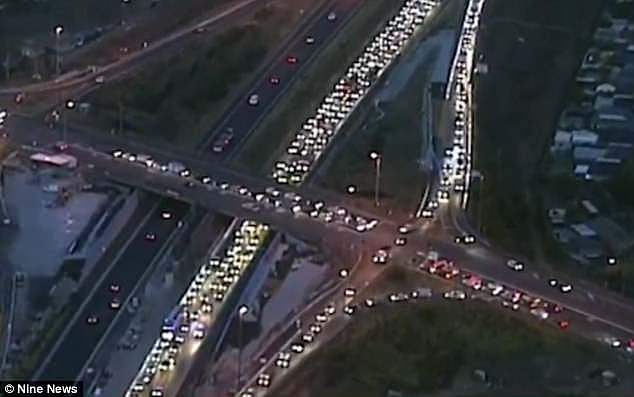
(190, 319)
(225, 138)
(318, 130)
(311, 332)
(508, 297)
(270, 197)
(456, 161)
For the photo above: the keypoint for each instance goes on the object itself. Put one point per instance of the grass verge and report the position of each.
(425, 348)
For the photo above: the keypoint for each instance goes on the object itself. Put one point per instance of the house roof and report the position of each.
(588, 153)
(583, 230)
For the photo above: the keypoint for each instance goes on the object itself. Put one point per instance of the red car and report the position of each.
(291, 60)
(563, 324)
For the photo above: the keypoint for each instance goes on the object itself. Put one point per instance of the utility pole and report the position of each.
(377, 176)
(242, 311)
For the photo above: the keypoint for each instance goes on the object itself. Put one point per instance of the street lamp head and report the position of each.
(70, 104)
(59, 29)
(611, 260)
(374, 155)
(352, 189)
(243, 310)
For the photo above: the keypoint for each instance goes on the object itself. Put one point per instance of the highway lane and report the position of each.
(243, 117)
(77, 345)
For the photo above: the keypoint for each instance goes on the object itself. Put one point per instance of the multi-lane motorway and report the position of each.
(91, 322)
(271, 86)
(242, 120)
(611, 312)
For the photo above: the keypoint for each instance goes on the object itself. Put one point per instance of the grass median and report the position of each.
(311, 86)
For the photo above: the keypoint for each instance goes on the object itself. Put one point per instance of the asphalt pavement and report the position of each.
(77, 345)
(243, 117)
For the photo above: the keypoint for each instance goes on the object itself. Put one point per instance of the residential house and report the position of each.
(583, 230)
(586, 249)
(584, 138)
(557, 215)
(563, 235)
(587, 155)
(612, 235)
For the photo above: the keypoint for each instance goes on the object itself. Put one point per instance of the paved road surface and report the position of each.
(77, 345)
(243, 117)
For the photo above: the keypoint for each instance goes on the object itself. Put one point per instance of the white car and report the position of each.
(515, 265)
(349, 309)
(455, 294)
(254, 100)
(400, 241)
(332, 16)
(539, 313)
(349, 292)
(565, 288)
(264, 380)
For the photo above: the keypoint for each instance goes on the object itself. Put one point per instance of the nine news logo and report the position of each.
(41, 389)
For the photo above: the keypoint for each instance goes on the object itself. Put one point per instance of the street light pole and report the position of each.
(242, 311)
(68, 106)
(377, 176)
(123, 4)
(59, 29)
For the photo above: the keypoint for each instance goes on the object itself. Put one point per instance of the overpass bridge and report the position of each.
(307, 212)
(488, 262)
